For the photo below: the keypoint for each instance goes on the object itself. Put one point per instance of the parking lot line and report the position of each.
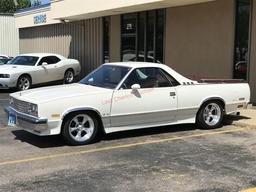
(249, 190)
(103, 149)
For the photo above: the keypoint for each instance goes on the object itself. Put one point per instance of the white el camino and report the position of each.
(124, 96)
(36, 68)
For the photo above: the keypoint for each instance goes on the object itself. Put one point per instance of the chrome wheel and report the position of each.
(81, 128)
(23, 83)
(69, 76)
(212, 114)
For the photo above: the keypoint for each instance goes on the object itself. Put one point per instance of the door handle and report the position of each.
(172, 94)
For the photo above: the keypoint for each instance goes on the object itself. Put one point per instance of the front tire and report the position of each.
(69, 76)
(23, 83)
(80, 128)
(210, 115)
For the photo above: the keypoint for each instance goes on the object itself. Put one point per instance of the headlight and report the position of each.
(32, 109)
(11, 100)
(4, 76)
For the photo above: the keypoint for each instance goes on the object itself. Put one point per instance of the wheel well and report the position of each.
(70, 69)
(94, 113)
(221, 101)
(26, 74)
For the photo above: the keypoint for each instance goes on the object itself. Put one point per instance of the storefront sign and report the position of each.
(40, 19)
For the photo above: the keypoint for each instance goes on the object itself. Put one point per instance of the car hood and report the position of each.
(9, 69)
(46, 94)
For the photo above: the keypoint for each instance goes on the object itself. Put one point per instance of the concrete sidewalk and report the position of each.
(3, 120)
(247, 118)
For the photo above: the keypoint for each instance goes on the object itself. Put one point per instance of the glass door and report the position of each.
(142, 36)
(242, 37)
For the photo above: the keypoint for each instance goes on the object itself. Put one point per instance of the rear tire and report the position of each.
(80, 128)
(23, 83)
(210, 115)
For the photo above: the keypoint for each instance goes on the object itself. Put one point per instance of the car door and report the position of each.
(155, 102)
(56, 70)
(51, 71)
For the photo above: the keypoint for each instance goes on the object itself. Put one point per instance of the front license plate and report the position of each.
(11, 120)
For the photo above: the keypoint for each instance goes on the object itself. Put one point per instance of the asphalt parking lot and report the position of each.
(174, 158)
(3, 101)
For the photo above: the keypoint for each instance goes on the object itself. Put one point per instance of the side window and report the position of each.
(147, 78)
(49, 60)
(54, 59)
(173, 81)
(44, 59)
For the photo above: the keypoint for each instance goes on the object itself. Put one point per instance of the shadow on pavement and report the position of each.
(56, 141)
(40, 142)
(229, 119)
(7, 90)
(150, 131)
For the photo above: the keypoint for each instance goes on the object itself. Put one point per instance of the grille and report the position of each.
(3, 86)
(22, 106)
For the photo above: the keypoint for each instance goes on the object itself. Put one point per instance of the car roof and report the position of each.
(41, 54)
(181, 79)
(5, 56)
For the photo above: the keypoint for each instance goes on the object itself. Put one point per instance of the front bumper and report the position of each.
(37, 126)
(24, 117)
(6, 83)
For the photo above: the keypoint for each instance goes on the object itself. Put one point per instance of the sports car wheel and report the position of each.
(210, 115)
(24, 83)
(80, 128)
(69, 76)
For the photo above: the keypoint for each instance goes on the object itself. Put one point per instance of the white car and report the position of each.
(4, 56)
(36, 68)
(124, 96)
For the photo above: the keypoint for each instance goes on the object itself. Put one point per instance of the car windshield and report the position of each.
(3, 61)
(24, 60)
(106, 76)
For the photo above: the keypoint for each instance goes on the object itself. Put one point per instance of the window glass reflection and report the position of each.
(150, 36)
(241, 54)
(142, 36)
(106, 38)
(129, 36)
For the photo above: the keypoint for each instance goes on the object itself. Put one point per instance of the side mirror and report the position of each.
(44, 64)
(135, 87)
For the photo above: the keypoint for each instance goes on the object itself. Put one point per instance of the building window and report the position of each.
(142, 36)
(241, 55)
(106, 39)
(129, 36)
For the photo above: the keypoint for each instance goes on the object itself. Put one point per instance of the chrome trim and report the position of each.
(80, 109)
(23, 106)
(25, 117)
(213, 98)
